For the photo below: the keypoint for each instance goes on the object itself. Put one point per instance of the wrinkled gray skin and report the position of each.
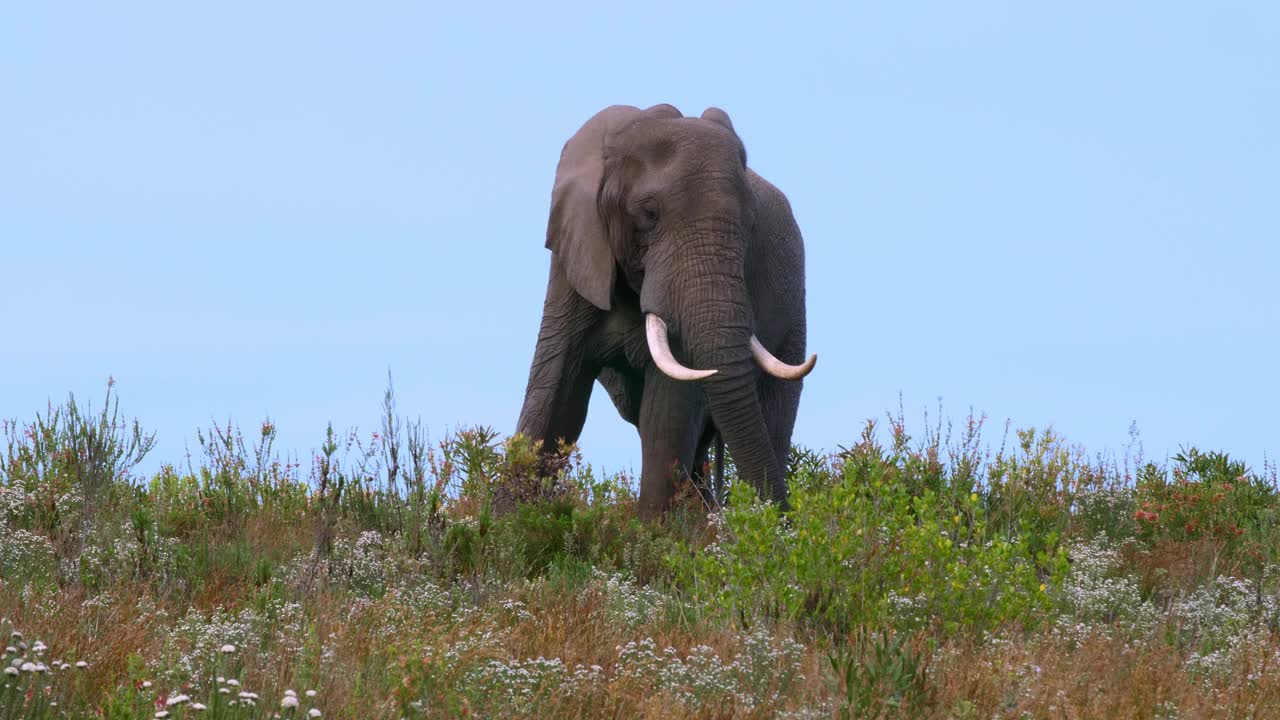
(653, 212)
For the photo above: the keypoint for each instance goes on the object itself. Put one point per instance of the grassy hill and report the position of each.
(387, 577)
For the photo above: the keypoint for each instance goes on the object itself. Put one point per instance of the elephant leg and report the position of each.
(672, 415)
(562, 373)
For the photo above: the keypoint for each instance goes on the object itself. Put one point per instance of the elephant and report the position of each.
(677, 282)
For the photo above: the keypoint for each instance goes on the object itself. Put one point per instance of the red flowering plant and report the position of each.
(1204, 496)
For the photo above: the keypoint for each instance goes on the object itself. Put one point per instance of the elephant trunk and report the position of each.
(713, 314)
(734, 401)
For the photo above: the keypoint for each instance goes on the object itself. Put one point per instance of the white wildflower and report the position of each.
(233, 682)
(146, 684)
(162, 713)
(82, 664)
(289, 701)
(176, 700)
(197, 706)
(228, 649)
(11, 671)
(313, 712)
(28, 667)
(290, 693)
(310, 693)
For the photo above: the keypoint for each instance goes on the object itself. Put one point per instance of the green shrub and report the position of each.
(1030, 490)
(463, 542)
(66, 465)
(1107, 511)
(878, 674)
(873, 541)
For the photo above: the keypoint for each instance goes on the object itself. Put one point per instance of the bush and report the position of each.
(1209, 496)
(65, 463)
(878, 539)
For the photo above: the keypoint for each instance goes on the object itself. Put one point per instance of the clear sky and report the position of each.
(1054, 213)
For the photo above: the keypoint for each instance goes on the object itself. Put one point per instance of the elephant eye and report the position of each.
(647, 213)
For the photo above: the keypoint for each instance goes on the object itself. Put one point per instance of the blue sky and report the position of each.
(1055, 213)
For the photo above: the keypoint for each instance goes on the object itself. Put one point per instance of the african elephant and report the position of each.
(669, 254)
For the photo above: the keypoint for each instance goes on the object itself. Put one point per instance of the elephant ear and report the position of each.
(576, 232)
(719, 117)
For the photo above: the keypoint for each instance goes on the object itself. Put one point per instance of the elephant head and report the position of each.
(656, 204)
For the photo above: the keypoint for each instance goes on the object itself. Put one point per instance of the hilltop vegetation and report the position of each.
(392, 577)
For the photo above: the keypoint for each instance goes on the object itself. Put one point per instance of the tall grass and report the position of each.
(389, 576)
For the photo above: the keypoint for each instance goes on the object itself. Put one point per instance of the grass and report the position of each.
(933, 577)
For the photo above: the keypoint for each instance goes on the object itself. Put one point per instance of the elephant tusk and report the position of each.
(776, 367)
(656, 334)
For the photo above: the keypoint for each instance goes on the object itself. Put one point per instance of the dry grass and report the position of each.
(1037, 675)
(1043, 677)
